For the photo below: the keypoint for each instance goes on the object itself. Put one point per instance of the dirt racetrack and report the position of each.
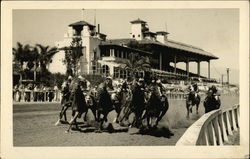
(33, 125)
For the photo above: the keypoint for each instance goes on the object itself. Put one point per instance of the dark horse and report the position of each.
(92, 105)
(120, 101)
(211, 102)
(156, 108)
(193, 99)
(104, 105)
(79, 105)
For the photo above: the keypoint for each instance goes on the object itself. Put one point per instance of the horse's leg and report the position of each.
(187, 111)
(94, 113)
(64, 113)
(197, 108)
(85, 115)
(73, 120)
(98, 115)
(61, 114)
(197, 104)
(118, 114)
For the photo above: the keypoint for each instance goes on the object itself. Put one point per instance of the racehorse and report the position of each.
(155, 109)
(79, 105)
(65, 102)
(192, 99)
(119, 100)
(92, 105)
(211, 102)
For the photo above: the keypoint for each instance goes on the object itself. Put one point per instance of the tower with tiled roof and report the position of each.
(138, 27)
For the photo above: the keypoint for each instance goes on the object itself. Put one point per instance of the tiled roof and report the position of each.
(137, 21)
(121, 43)
(81, 23)
(149, 32)
(170, 43)
(180, 46)
(162, 32)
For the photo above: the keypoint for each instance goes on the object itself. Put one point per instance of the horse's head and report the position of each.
(89, 100)
(114, 97)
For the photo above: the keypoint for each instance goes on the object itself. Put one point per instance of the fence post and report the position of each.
(206, 137)
(211, 134)
(238, 115)
(229, 128)
(223, 127)
(233, 119)
(32, 96)
(217, 131)
(22, 95)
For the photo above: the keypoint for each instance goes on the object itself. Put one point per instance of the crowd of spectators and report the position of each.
(35, 92)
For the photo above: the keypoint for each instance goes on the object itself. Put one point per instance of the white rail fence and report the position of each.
(212, 128)
(21, 96)
(37, 96)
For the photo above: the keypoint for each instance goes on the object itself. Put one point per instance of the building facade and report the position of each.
(108, 57)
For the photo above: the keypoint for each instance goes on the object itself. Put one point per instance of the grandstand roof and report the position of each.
(169, 44)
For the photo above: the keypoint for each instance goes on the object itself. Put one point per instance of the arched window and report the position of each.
(105, 70)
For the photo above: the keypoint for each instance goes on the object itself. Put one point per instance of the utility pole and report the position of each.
(222, 79)
(82, 14)
(228, 76)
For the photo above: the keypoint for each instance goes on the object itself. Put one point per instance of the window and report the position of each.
(133, 36)
(105, 70)
(122, 56)
(116, 53)
(116, 72)
(138, 35)
(123, 73)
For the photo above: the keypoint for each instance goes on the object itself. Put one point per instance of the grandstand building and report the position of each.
(108, 56)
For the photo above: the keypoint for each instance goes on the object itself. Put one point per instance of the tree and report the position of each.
(45, 55)
(23, 54)
(72, 56)
(137, 64)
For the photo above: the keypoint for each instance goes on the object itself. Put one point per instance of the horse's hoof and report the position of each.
(57, 123)
(98, 131)
(67, 131)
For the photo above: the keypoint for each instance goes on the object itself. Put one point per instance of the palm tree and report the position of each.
(22, 54)
(137, 64)
(45, 55)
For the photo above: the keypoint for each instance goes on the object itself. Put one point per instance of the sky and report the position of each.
(214, 30)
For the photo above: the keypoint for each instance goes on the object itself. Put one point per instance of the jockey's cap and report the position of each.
(109, 77)
(81, 78)
(158, 81)
(70, 78)
(141, 80)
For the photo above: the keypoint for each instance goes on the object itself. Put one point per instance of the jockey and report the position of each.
(213, 90)
(161, 89)
(156, 90)
(138, 99)
(125, 86)
(105, 86)
(193, 92)
(103, 96)
(85, 84)
(212, 100)
(138, 89)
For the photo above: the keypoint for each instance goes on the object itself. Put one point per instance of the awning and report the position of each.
(112, 64)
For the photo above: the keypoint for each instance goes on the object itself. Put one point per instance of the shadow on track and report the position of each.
(155, 131)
